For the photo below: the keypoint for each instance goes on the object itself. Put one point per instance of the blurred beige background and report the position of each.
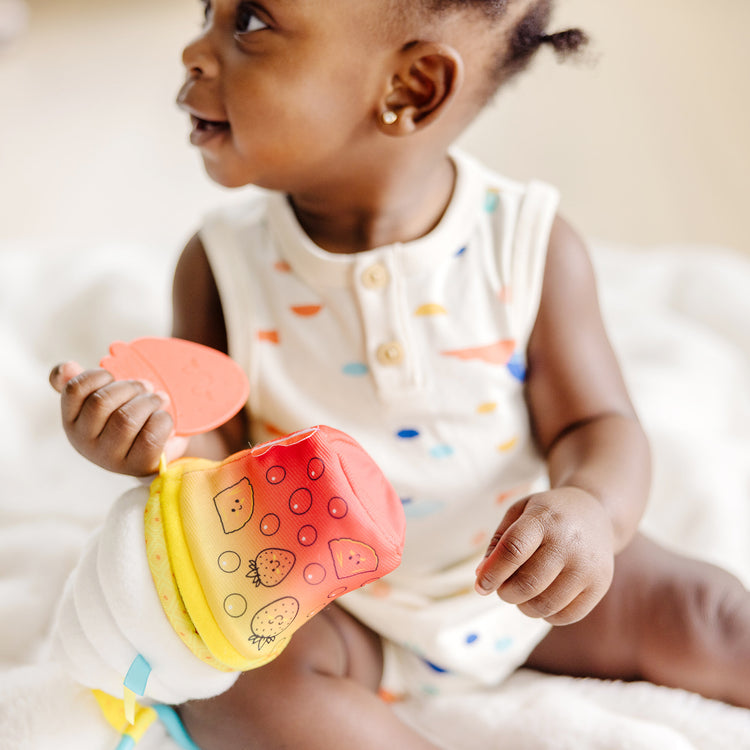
(647, 139)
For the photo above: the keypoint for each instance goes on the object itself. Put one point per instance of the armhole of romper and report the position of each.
(528, 256)
(232, 275)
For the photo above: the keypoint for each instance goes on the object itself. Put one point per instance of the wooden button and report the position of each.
(375, 276)
(391, 353)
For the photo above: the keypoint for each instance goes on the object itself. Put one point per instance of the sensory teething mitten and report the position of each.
(211, 571)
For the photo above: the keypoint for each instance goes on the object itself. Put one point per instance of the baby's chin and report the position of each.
(224, 177)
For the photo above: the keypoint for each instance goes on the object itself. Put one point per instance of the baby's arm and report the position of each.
(121, 425)
(553, 553)
(197, 316)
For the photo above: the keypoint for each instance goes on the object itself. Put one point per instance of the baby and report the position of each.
(444, 316)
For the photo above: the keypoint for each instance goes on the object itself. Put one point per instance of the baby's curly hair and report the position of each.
(524, 38)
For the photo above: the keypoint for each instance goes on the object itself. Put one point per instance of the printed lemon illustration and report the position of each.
(271, 566)
(273, 619)
(235, 505)
(351, 557)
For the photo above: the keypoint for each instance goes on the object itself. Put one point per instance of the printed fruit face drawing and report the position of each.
(273, 619)
(235, 505)
(351, 557)
(271, 566)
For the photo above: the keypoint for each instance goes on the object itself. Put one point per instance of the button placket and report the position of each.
(378, 291)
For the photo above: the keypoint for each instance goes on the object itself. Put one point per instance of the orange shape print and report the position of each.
(498, 353)
(282, 266)
(306, 311)
(350, 557)
(235, 505)
(270, 336)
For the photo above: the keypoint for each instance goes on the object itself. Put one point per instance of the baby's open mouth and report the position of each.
(204, 130)
(209, 125)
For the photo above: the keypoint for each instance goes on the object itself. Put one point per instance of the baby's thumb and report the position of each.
(62, 373)
(175, 447)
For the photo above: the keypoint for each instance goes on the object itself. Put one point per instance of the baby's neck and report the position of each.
(398, 210)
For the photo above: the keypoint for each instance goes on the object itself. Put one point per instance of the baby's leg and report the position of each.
(667, 619)
(321, 692)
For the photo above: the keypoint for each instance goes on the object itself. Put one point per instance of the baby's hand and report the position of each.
(119, 425)
(552, 555)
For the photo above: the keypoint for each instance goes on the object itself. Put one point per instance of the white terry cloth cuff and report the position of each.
(111, 614)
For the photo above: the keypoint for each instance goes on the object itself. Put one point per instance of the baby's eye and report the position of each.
(206, 10)
(247, 20)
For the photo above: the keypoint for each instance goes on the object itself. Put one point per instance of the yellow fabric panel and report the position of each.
(189, 585)
(114, 712)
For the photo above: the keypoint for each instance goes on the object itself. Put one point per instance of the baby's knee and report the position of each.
(331, 650)
(704, 614)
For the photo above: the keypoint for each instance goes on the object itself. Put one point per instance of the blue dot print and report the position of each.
(435, 667)
(423, 509)
(407, 433)
(517, 367)
(355, 369)
(441, 451)
(491, 201)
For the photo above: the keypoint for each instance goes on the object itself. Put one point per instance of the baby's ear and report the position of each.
(428, 78)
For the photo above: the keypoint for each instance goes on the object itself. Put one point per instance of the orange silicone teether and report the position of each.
(205, 387)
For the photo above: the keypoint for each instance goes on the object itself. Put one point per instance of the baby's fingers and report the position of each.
(516, 545)
(151, 440)
(562, 603)
(62, 373)
(538, 580)
(78, 389)
(90, 399)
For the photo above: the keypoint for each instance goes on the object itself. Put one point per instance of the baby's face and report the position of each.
(284, 94)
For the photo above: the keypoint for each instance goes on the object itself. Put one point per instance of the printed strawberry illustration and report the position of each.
(273, 619)
(271, 566)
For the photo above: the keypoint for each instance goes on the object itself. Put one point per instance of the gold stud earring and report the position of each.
(389, 117)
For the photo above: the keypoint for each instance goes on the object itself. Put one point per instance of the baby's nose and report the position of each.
(199, 57)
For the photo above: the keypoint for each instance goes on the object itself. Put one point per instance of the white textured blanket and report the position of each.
(680, 321)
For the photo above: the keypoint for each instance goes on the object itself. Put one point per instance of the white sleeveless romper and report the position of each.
(417, 350)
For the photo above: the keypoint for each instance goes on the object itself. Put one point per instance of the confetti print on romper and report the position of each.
(491, 200)
(407, 433)
(498, 353)
(423, 508)
(517, 367)
(306, 311)
(355, 369)
(487, 407)
(430, 308)
(442, 450)
(271, 336)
